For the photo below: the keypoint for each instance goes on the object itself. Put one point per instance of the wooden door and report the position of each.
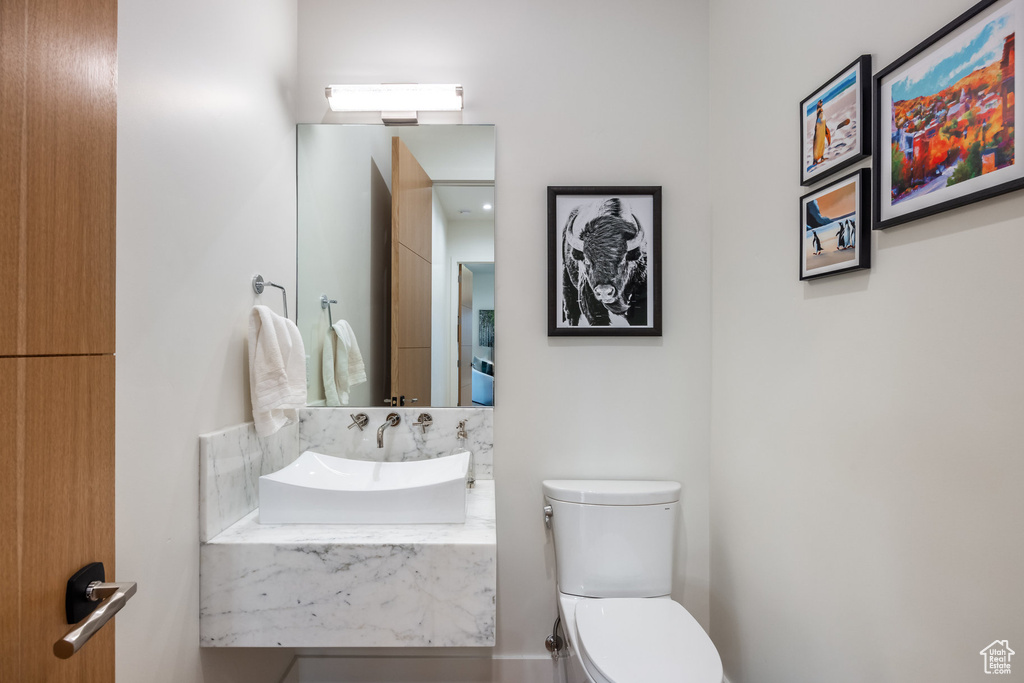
(411, 230)
(58, 75)
(465, 336)
(57, 164)
(57, 493)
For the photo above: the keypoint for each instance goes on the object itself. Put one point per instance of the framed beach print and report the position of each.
(604, 261)
(835, 123)
(945, 118)
(835, 235)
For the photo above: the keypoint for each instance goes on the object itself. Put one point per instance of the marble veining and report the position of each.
(231, 462)
(325, 430)
(296, 585)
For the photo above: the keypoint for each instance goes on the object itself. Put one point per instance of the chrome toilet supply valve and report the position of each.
(548, 513)
(555, 643)
(359, 420)
(424, 421)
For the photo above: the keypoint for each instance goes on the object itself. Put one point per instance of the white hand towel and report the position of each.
(277, 370)
(343, 366)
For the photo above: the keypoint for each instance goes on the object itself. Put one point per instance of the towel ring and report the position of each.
(257, 285)
(326, 303)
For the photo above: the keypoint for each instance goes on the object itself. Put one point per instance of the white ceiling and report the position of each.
(451, 153)
(456, 199)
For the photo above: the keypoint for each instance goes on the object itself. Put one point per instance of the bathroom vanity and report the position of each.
(352, 585)
(343, 585)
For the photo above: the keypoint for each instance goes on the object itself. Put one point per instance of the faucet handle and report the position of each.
(359, 420)
(425, 420)
(461, 433)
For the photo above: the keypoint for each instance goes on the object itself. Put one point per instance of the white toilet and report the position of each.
(614, 545)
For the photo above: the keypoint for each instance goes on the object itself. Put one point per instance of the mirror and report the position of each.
(400, 234)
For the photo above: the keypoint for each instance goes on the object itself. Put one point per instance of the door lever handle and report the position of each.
(110, 596)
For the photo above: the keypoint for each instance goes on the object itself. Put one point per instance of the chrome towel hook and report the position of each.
(257, 285)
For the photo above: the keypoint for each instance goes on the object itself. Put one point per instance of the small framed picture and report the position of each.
(604, 261)
(945, 117)
(835, 123)
(835, 235)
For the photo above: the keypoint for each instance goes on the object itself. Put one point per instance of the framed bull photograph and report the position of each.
(604, 261)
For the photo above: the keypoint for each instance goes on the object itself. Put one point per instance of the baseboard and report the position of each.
(462, 669)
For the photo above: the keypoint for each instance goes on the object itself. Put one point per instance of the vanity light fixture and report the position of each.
(397, 103)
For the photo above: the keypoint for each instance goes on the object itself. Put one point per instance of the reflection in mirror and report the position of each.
(401, 234)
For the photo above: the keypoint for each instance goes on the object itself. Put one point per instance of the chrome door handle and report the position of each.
(113, 597)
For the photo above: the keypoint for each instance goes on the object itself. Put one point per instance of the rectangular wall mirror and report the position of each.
(396, 225)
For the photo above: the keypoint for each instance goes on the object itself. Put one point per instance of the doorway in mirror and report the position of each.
(475, 333)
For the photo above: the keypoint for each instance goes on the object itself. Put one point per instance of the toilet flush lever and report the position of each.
(548, 513)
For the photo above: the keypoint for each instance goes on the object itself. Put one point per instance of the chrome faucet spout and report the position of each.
(391, 421)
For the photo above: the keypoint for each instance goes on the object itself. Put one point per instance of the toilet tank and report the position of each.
(613, 539)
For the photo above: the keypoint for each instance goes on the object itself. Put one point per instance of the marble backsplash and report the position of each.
(233, 459)
(231, 462)
(325, 430)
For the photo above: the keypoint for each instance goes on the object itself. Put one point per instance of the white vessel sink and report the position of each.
(323, 489)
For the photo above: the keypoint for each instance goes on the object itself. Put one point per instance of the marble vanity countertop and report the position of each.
(335, 585)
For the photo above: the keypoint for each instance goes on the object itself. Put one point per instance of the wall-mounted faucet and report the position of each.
(391, 421)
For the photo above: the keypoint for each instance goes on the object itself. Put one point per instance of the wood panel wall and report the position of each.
(58, 134)
(411, 244)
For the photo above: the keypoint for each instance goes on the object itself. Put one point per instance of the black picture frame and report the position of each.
(914, 179)
(843, 103)
(845, 223)
(595, 225)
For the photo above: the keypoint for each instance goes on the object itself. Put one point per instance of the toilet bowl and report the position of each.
(613, 555)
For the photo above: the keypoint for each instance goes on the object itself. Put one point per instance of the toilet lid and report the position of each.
(645, 640)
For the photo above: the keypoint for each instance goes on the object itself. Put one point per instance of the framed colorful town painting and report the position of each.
(835, 123)
(604, 261)
(835, 233)
(945, 118)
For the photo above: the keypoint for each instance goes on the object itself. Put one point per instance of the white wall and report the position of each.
(550, 76)
(206, 199)
(866, 465)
